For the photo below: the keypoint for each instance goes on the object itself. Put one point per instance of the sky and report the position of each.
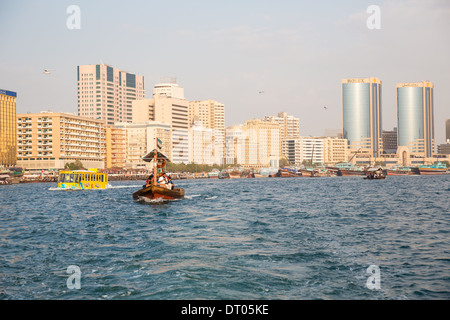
(295, 52)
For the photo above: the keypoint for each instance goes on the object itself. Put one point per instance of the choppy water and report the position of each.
(273, 238)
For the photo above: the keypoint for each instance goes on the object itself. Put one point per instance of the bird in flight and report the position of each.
(325, 107)
(261, 92)
(46, 71)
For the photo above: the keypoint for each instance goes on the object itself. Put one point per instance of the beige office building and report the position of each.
(335, 150)
(116, 140)
(212, 115)
(106, 93)
(141, 139)
(49, 140)
(254, 144)
(168, 109)
(8, 127)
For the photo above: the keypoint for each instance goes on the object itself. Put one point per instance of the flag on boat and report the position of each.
(159, 143)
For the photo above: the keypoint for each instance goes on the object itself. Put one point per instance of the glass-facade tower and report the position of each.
(415, 117)
(8, 127)
(361, 104)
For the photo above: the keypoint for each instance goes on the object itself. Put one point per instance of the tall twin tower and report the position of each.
(362, 114)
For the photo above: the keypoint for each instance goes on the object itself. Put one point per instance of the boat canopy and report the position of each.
(150, 156)
(375, 169)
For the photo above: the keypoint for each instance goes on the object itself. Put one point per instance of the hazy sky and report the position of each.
(297, 52)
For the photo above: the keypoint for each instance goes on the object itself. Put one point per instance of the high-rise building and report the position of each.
(168, 109)
(106, 93)
(389, 141)
(254, 144)
(49, 140)
(415, 117)
(289, 125)
(8, 127)
(361, 102)
(141, 139)
(169, 88)
(212, 115)
(116, 139)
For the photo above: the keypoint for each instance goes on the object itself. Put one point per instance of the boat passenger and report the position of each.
(149, 181)
(162, 180)
(170, 184)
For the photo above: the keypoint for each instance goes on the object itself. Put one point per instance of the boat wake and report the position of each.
(155, 201)
(192, 196)
(122, 187)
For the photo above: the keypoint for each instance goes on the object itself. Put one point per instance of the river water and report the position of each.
(264, 238)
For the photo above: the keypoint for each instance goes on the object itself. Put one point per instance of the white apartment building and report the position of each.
(201, 144)
(304, 148)
(106, 93)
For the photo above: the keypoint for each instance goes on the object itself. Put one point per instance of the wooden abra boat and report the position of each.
(375, 173)
(156, 189)
(156, 192)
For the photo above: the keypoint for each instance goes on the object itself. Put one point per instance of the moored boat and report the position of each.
(214, 174)
(399, 171)
(5, 179)
(346, 169)
(434, 169)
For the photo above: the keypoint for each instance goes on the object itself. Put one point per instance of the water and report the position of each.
(268, 238)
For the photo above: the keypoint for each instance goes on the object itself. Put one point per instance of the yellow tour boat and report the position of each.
(82, 179)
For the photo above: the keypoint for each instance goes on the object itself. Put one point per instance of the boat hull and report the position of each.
(432, 171)
(156, 192)
(398, 172)
(375, 178)
(346, 172)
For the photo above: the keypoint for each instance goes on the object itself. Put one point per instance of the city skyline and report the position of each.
(257, 58)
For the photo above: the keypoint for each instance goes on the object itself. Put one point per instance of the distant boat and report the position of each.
(347, 169)
(434, 169)
(234, 175)
(223, 175)
(213, 174)
(374, 174)
(5, 179)
(399, 171)
(286, 173)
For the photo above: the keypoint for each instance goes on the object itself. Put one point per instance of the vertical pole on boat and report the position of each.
(155, 160)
